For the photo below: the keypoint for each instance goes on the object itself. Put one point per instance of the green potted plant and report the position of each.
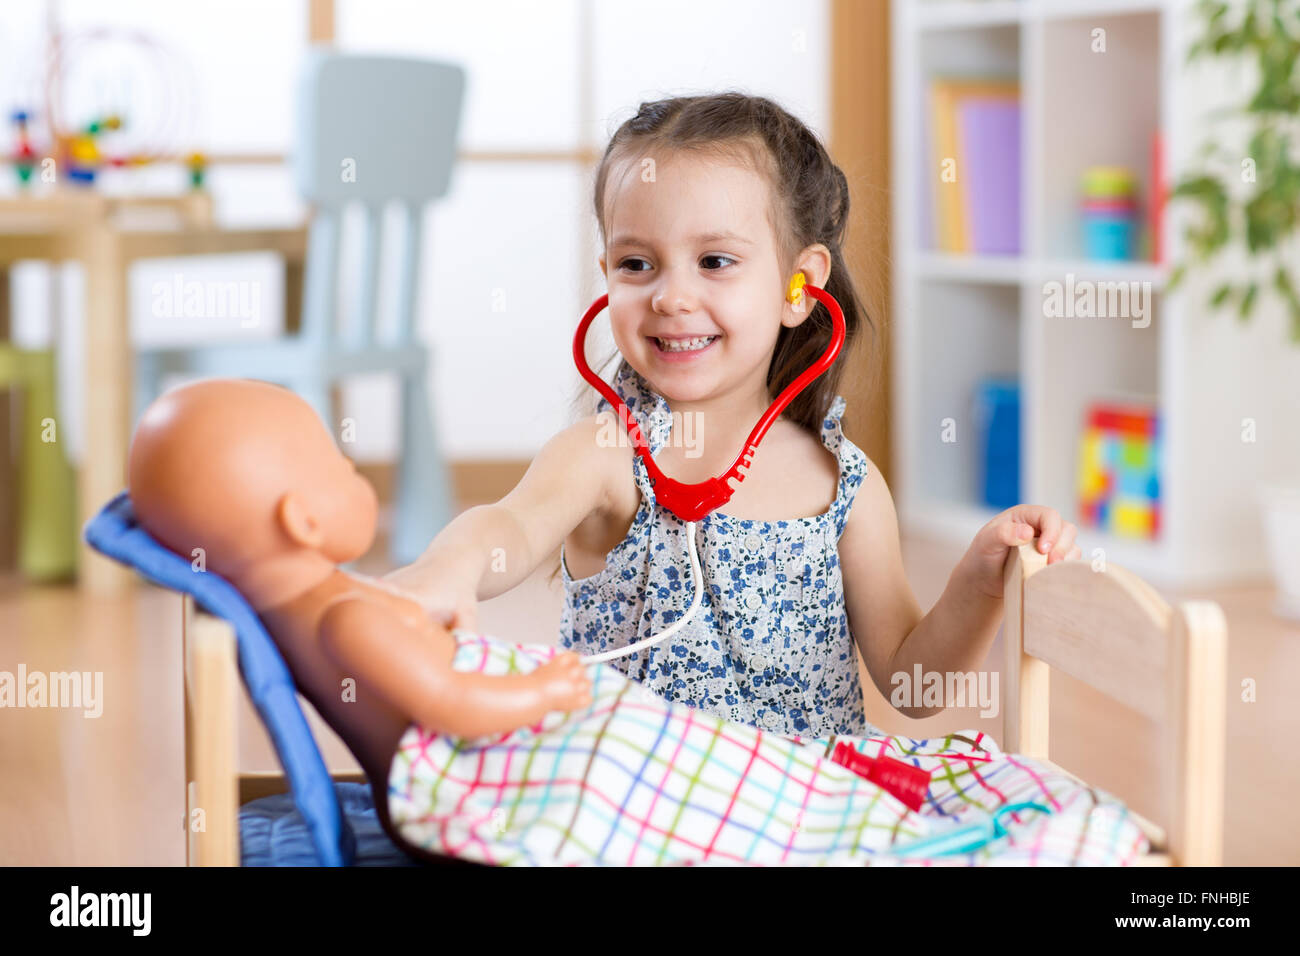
(1256, 203)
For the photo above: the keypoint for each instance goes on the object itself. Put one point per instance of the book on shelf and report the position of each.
(974, 182)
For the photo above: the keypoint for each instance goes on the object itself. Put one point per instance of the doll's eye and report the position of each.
(716, 258)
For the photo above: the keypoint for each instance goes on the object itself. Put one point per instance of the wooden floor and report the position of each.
(102, 791)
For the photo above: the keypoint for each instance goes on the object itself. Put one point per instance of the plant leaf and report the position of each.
(1247, 304)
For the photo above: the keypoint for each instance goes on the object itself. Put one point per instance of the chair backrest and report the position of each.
(374, 131)
(1111, 630)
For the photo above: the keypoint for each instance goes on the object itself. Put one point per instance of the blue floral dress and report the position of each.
(770, 644)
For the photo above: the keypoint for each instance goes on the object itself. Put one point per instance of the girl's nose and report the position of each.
(673, 296)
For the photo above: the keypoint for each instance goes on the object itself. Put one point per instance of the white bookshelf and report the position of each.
(958, 319)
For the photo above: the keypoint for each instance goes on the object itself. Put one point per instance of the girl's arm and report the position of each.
(955, 637)
(489, 549)
(891, 633)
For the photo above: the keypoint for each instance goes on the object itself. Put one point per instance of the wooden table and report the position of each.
(96, 231)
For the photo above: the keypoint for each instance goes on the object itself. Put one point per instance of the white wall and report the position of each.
(511, 260)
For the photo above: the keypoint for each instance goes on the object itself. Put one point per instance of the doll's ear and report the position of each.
(298, 522)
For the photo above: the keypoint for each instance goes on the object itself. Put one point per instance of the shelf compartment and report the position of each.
(1105, 112)
(1090, 358)
(989, 58)
(967, 333)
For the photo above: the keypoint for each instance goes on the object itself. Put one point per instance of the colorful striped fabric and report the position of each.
(636, 780)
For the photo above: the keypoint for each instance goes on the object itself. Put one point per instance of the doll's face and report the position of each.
(696, 289)
(338, 499)
(356, 510)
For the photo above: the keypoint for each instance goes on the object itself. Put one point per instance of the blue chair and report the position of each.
(375, 132)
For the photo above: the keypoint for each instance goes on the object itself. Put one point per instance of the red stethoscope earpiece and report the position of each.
(691, 502)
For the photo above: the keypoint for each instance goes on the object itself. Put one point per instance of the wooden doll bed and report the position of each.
(1108, 629)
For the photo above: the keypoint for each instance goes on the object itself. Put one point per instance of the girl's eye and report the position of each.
(722, 258)
(627, 262)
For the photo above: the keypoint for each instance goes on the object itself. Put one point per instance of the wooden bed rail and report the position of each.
(1109, 629)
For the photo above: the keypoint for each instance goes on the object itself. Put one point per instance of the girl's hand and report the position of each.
(449, 601)
(987, 555)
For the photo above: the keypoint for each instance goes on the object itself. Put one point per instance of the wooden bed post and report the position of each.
(1025, 679)
(1198, 652)
(211, 757)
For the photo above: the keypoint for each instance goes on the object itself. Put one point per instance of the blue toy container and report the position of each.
(997, 422)
(1110, 235)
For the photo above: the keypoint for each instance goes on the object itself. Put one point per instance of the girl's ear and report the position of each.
(298, 522)
(815, 264)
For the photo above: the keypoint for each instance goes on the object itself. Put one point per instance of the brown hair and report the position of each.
(811, 206)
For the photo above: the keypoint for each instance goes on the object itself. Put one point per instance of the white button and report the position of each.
(753, 600)
(794, 571)
(753, 542)
(760, 662)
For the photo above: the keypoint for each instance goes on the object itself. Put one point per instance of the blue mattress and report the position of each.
(273, 833)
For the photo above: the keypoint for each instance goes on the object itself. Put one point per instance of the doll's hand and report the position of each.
(564, 682)
(987, 555)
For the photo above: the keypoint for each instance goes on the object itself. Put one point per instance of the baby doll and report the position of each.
(504, 753)
(245, 471)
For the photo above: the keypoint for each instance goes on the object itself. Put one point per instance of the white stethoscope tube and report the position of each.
(676, 625)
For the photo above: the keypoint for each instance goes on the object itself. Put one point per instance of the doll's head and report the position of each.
(246, 471)
(707, 206)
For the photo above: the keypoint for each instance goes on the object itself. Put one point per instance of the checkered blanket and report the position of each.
(637, 780)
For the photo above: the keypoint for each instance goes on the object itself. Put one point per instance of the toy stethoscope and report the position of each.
(967, 837)
(691, 502)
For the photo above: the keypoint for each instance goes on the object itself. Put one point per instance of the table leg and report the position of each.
(8, 473)
(108, 383)
(293, 276)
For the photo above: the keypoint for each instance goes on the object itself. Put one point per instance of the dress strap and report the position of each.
(853, 463)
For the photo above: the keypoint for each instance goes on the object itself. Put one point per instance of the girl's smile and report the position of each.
(682, 348)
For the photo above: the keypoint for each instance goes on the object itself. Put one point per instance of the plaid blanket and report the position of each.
(637, 780)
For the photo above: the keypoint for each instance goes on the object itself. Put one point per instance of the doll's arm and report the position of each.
(414, 674)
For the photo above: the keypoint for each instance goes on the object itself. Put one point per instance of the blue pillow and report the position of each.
(115, 533)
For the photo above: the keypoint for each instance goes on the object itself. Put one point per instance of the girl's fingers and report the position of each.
(1064, 543)
(1013, 533)
(1048, 522)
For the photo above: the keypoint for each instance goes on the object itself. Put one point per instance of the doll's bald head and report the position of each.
(246, 471)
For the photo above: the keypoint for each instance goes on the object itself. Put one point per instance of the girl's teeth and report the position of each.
(685, 345)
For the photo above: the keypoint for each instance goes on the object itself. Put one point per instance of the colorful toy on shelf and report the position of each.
(1119, 469)
(997, 424)
(24, 158)
(82, 157)
(198, 166)
(1110, 213)
(149, 84)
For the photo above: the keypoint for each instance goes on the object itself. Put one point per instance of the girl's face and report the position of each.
(696, 292)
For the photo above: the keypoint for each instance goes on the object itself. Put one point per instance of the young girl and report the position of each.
(707, 207)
